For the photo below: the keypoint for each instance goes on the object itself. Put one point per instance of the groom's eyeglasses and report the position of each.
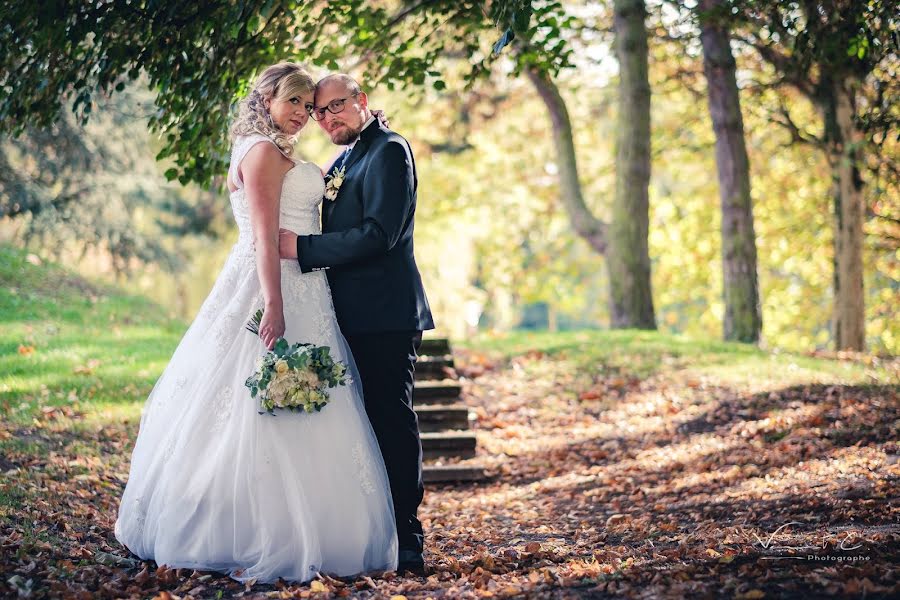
(334, 107)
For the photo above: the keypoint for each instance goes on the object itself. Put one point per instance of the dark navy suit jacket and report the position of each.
(367, 239)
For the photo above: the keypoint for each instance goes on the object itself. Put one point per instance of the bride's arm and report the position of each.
(262, 171)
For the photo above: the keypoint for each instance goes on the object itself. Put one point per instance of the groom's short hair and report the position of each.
(347, 81)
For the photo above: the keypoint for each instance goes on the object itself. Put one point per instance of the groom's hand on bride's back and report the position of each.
(287, 243)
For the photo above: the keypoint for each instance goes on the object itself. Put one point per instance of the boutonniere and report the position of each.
(333, 183)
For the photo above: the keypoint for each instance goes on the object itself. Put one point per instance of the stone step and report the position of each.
(441, 417)
(447, 444)
(436, 392)
(435, 367)
(451, 473)
(434, 347)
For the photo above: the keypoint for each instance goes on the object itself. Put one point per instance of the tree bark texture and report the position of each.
(743, 320)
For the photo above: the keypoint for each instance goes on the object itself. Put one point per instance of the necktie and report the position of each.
(341, 159)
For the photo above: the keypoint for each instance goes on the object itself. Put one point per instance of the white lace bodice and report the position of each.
(301, 194)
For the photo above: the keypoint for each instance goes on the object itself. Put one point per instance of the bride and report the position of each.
(213, 484)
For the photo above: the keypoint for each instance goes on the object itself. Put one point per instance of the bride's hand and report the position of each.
(379, 114)
(271, 327)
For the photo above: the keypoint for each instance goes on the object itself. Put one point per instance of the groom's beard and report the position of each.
(345, 135)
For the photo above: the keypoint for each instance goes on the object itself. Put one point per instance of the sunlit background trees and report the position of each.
(717, 168)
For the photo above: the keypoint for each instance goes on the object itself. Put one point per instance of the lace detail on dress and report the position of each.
(364, 468)
(161, 398)
(301, 194)
(297, 288)
(170, 447)
(225, 286)
(220, 406)
(226, 330)
(140, 513)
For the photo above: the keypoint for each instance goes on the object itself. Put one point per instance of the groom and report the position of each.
(367, 247)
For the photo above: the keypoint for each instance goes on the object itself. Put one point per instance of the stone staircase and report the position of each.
(443, 418)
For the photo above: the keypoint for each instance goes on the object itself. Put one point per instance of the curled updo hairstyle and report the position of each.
(278, 82)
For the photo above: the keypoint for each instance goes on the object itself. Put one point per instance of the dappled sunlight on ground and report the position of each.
(602, 481)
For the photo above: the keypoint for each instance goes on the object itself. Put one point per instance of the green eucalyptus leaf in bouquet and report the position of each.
(255, 320)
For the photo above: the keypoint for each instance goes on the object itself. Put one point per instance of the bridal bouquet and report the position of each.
(294, 376)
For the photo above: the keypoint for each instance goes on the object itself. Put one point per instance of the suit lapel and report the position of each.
(328, 205)
(339, 162)
(365, 139)
(348, 160)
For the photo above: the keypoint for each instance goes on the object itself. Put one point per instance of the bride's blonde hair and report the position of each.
(278, 82)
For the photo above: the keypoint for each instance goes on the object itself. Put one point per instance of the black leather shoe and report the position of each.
(412, 561)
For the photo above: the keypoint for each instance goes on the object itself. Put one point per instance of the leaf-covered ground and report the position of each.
(622, 464)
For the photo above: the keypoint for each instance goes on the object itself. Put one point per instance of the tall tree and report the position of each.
(589, 227)
(743, 320)
(622, 241)
(631, 298)
(829, 49)
(843, 141)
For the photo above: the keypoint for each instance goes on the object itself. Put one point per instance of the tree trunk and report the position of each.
(583, 221)
(552, 318)
(843, 141)
(628, 257)
(743, 320)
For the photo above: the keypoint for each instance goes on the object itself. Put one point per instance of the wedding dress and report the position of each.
(216, 486)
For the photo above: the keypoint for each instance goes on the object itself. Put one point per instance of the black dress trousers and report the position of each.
(386, 364)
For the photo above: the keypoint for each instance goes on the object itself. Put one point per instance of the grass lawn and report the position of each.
(71, 347)
(645, 353)
(620, 463)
